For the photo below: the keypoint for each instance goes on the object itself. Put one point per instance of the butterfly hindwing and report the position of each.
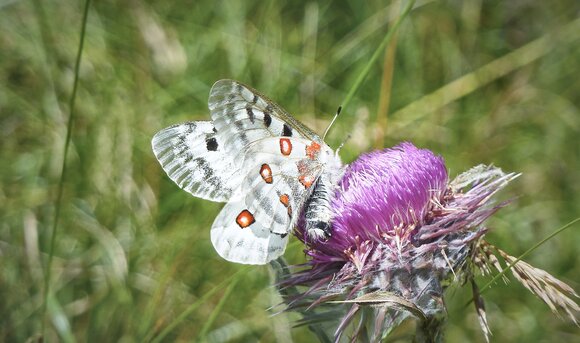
(238, 237)
(277, 184)
(193, 157)
(253, 229)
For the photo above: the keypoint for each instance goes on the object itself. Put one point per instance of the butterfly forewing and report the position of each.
(193, 157)
(242, 115)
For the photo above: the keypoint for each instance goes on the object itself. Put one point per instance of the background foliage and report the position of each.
(476, 81)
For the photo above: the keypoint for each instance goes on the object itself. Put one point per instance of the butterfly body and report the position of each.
(268, 168)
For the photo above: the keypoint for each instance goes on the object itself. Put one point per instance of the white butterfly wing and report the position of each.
(275, 188)
(278, 184)
(242, 115)
(237, 237)
(193, 157)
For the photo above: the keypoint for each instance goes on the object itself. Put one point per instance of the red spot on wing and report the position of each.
(245, 219)
(306, 180)
(285, 200)
(285, 146)
(307, 175)
(266, 173)
(312, 150)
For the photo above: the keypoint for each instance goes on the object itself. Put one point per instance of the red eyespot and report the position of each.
(266, 173)
(285, 146)
(312, 150)
(306, 180)
(245, 219)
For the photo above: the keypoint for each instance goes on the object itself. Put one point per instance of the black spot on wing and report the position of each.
(286, 131)
(255, 99)
(250, 114)
(211, 144)
(267, 119)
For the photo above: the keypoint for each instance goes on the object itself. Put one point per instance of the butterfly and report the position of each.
(267, 166)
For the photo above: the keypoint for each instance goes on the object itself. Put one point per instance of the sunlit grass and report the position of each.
(476, 82)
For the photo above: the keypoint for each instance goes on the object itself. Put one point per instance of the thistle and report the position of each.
(402, 233)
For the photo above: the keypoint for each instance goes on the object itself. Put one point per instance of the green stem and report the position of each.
(63, 167)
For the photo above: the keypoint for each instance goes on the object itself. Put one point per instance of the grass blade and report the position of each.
(526, 253)
(207, 325)
(494, 70)
(231, 280)
(58, 204)
(367, 68)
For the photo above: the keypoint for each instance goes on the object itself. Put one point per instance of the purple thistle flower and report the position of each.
(383, 197)
(401, 234)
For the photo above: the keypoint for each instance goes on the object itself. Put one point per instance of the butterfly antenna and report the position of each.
(342, 144)
(332, 122)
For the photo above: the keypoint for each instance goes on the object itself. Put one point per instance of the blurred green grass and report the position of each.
(132, 250)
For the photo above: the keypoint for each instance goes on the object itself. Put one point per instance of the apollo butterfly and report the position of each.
(267, 166)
